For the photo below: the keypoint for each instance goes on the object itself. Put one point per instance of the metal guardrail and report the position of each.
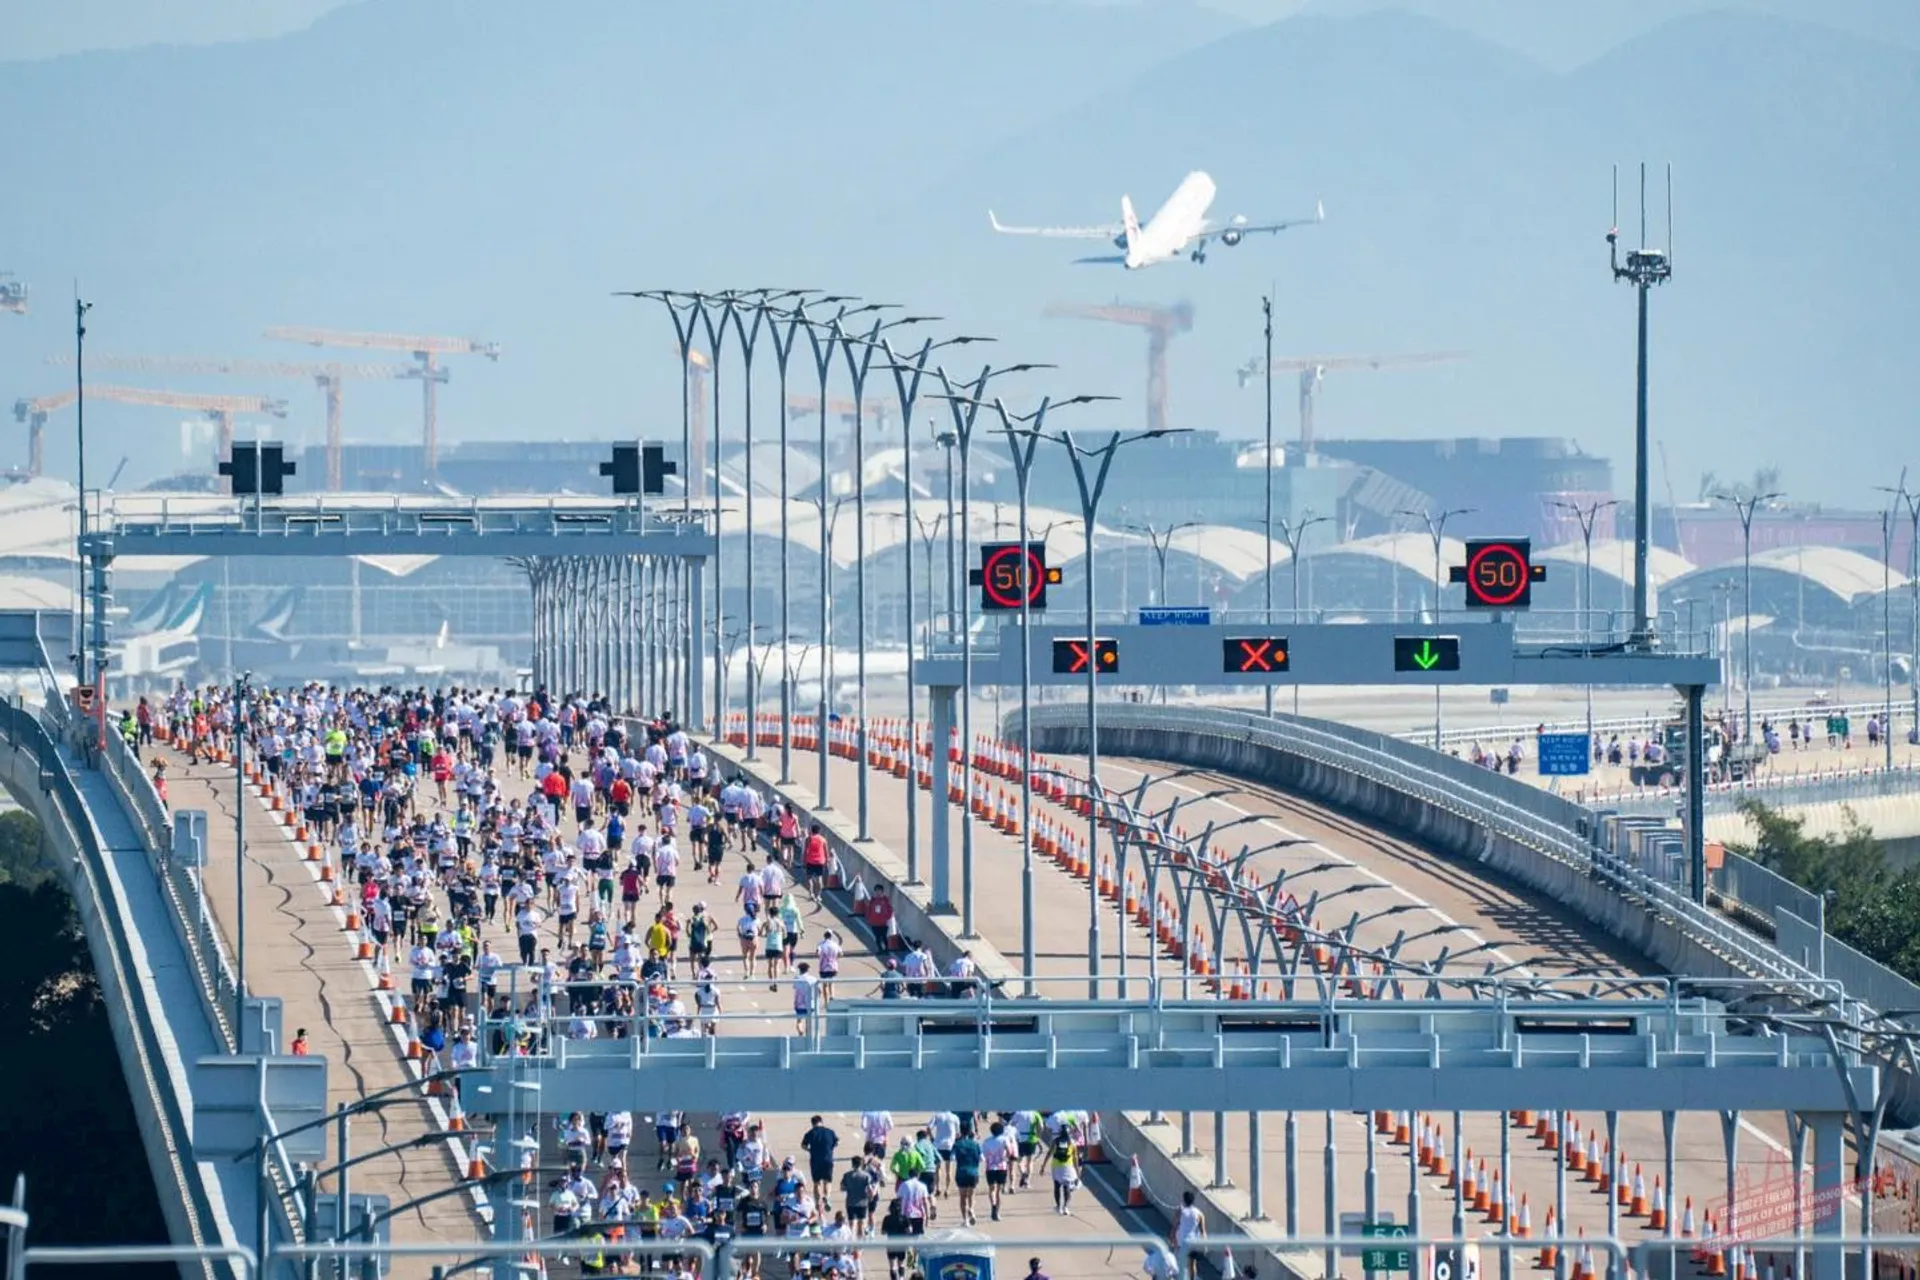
(186, 898)
(1779, 792)
(1644, 725)
(25, 732)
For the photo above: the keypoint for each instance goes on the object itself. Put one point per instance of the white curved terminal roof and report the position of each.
(19, 591)
(1410, 551)
(1845, 573)
(1614, 557)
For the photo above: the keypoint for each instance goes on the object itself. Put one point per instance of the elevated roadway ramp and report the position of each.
(146, 978)
(1397, 887)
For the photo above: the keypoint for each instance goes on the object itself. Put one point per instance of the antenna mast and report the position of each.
(1645, 267)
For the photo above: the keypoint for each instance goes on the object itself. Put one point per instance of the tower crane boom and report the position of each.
(328, 377)
(426, 350)
(1160, 322)
(1314, 369)
(220, 409)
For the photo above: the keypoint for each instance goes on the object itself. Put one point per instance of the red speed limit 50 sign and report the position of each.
(1499, 573)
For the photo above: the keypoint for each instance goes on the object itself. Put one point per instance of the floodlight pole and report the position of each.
(1266, 315)
(1901, 496)
(1644, 269)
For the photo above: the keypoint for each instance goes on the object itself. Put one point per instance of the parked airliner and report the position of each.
(1179, 226)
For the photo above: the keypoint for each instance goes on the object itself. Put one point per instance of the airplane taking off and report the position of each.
(1179, 226)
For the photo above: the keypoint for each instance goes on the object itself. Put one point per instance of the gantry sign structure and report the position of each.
(612, 578)
(1199, 648)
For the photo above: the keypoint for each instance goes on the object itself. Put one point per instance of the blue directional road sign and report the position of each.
(1192, 616)
(1565, 755)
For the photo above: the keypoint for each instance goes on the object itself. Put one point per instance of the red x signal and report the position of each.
(1254, 655)
(1070, 657)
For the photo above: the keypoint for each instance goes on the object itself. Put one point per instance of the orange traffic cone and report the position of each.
(385, 982)
(1523, 1219)
(1136, 1186)
(1637, 1201)
(1096, 1150)
(397, 1012)
(1686, 1220)
(476, 1168)
(1657, 1216)
(1550, 1253)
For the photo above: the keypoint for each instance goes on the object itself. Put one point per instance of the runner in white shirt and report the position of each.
(875, 1128)
(996, 1157)
(943, 1127)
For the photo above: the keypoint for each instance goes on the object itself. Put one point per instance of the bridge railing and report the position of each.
(27, 733)
(180, 883)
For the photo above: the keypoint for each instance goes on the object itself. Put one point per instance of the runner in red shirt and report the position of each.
(813, 861)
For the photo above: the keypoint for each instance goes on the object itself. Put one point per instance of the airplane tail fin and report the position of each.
(1130, 222)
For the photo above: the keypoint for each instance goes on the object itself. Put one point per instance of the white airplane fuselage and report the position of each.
(1173, 226)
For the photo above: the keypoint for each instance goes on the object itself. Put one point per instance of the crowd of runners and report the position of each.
(534, 863)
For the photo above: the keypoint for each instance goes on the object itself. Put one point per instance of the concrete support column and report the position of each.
(695, 572)
(1220, 1177)
(1256, 1170)
(940, 700)
(1459, 1181)
(1332, 1173)
(1560, 1191)
(1829, 1191)
(1613, 1149)
(1506, 1189)
(1293, 1178)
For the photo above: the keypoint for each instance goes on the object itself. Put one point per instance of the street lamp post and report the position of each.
(1162, 543)
(906, 385)
(764, 311)
(783, 348)
(823, 365)
(1436, 530)
(1746, 508)
(1266, 467)
(857, 369)
(1024, 433)
(964, 404)
(1903, 497)
(1588, 516)
(1091, 467)
(1295, 536)
(687, 310)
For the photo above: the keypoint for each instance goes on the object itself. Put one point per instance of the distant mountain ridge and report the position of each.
(492, 170)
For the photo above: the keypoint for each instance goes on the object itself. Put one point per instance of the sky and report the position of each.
(1461, 147)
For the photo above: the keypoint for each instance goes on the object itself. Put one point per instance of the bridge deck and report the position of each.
(296, 950)
(1373, 872)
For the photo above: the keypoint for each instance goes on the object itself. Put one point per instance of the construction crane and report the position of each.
(1161, 323)
(1314, 369)
(218, 409)
(13, 294)
(328, 377)
(876, 409)
(425, 350)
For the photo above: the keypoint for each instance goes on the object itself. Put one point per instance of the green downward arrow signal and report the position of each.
(1426, 655)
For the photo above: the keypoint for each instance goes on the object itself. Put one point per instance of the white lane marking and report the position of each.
(1771, 1143)
(1365, 872)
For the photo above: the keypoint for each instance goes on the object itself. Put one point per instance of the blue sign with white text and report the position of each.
(1190, 616)
(1565, 755)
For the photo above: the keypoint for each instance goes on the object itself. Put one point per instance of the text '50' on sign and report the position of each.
(1499, 573)
(1071, 657)
(1254, 655)
(1013, 575)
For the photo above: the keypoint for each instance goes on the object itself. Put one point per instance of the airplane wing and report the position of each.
(1061, 233)
(1265, 228)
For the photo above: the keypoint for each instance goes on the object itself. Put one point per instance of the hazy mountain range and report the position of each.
(486, 169)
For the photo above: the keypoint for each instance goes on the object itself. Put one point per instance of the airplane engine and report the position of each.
(1230, 238)
(1120, 241)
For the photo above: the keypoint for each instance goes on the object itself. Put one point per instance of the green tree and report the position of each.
(1869, 906)
(20, 856)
